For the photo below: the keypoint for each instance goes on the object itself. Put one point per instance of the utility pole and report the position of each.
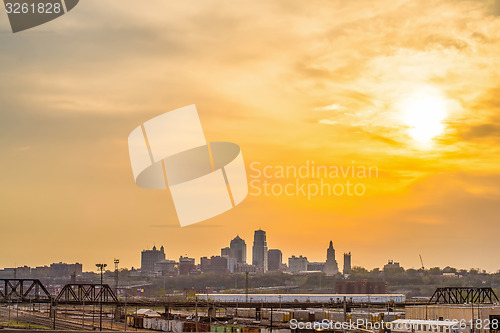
(345, 312)
(101, 268)
(246, 286)
(116, 261)
(271, 315)
(83, 315)
(196, 312)
(54, 314)
(126, 310)
(472, 321)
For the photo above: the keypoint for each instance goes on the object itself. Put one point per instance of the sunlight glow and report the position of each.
(424, 112)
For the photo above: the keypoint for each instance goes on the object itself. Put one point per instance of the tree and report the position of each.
(435, 271)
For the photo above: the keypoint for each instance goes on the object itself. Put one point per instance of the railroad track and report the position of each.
(60, 323)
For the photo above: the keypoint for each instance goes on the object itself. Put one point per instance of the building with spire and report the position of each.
(331, 266)
(259, 250)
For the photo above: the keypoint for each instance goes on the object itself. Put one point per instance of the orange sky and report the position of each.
(410, 87)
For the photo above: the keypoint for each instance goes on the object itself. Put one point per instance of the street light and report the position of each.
(116, 261)
(101, 268)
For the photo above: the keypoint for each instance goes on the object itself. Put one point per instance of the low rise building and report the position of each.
(166, 267)
(361, 287)
(297, 264)
(186, 265)
(482, 315)
(316, 266)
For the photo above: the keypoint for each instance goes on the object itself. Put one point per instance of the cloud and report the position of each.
(176, 226)
(483, 123)
(386, 139)
(482, 131)
(444, 41)
(328, 122)
(332, 107)
(459, 199)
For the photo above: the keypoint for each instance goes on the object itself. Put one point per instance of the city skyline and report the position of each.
(409, 89)
(160, 254)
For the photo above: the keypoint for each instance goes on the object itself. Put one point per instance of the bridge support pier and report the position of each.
(212, 313)
(258, 314)
(118, 314)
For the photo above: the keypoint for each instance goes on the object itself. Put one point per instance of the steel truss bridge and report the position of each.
(462, 295)
(22, 289)
(33, 291)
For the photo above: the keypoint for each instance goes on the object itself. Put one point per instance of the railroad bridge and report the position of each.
(462, 295)
(33, 291)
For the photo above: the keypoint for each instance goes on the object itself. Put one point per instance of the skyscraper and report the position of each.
(150, 257)
(239, 250)
(347, 263)
(259, 250)
(274, 260)
(331, 266)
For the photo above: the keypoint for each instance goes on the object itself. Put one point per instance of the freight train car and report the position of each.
(285, 315)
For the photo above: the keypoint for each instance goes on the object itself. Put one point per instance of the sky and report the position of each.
(409, 88)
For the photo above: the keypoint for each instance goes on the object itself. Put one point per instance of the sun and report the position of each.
(424, 112)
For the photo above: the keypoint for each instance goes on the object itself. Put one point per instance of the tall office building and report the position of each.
(259, 250)
(239, 250)
(331, 266)
(274, 260)
(347, 263)
(150, 257)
